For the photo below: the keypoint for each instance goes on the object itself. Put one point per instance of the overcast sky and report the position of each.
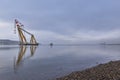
(69, 20)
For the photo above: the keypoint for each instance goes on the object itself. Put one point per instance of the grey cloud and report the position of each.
(64, 16)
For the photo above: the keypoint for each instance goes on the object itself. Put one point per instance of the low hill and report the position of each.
(8, 42)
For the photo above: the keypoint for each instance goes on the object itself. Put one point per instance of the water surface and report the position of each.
(50, 62)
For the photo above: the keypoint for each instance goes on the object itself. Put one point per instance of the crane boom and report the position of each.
(23, 40)
(26, 31)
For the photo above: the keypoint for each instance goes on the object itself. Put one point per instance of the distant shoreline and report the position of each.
(107, 71)
(8, 42)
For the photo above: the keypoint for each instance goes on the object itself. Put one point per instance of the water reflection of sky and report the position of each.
(47, 62)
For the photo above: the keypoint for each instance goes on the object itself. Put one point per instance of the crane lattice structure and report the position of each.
(23, 40)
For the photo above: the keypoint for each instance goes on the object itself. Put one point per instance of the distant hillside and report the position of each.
(8, 42)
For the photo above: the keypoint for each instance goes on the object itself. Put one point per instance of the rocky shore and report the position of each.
(108, 71)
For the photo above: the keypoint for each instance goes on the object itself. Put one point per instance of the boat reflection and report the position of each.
(22, 57)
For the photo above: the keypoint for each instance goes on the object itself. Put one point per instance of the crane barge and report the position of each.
(22, 37)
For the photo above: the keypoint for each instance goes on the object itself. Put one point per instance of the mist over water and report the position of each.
(46, 62)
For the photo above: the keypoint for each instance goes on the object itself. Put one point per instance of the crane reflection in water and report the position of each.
(22, 50)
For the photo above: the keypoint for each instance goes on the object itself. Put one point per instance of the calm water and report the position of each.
(48, 63)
